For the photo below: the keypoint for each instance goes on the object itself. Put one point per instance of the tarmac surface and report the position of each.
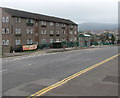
(101, 81)
(25, 75)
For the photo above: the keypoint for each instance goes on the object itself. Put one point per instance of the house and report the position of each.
(21, 28)
(84, 40)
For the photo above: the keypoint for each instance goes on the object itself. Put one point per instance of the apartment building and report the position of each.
(21, 28)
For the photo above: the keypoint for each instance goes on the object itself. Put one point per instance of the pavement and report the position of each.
(42, 51)
(26, 75)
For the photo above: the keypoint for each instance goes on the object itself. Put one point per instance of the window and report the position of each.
(17, 19)
(36, 24)
(71, 39)
(63, 25)
(75, 32)
(43, 41)
(63, 32)
(51, 40)
(18, 31)
(71, 26)
(51, 23)
(29, 41)
(70, 32)
(57, 39)
(5, 31)
(51, 32)
(63, 39)
(58, 32)
(57, 24)
(29, 31)
(43, 31)
(17, 42)
(5, 42)
(7, 19)
(3, 19)
(43, 23)
(75, 39)
(29, 22)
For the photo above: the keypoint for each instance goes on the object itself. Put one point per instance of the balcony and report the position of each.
(17, 34)
(71, 26)
(29, 24)
(51, 34)
(43, 25)
(58, 34)
(63, 26)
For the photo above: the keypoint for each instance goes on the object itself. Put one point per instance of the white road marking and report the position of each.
(30, 56)
(3, 70)
(6, 60)
(29, 64)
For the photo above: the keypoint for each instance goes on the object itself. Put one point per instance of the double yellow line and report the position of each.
(43, 91)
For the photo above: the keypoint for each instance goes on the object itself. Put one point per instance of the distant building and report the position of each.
(21, 28)
(84, 40)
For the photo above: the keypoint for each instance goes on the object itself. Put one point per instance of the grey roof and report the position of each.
(24, 14)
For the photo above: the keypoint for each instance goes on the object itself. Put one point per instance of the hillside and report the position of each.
(96, 26)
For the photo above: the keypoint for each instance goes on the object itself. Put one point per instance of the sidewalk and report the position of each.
(100, 81)
(43, 51)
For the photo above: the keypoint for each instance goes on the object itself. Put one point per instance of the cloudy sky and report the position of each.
(105, 11)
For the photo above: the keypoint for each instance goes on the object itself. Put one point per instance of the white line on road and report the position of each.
(3, 70)
(29, 64)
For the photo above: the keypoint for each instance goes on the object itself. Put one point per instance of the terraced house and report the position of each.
(21, 28)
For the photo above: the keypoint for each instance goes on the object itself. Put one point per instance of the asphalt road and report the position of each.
(23, 76)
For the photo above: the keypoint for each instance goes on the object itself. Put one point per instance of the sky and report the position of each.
(79, 11)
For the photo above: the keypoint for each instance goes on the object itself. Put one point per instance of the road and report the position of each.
(23, 76)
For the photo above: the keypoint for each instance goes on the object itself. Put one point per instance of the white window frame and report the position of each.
(63, 31)
(71, 26)
(63, 25)
(5, 31)
(30, 21)
(17, 19)
(43, 31)
(75, 32)
(17, 31)
(57, 24)
(29, 41)
(71, 39)
(43, 41)
(58, 32)
(57, 39)
(43, 23)
(7, 19)
(71, 32)
(51, 40)
(51, 23)
(5, 42)
(29, 31)
(51, 32)
(63, 39)
(3, 19)
(17, 42)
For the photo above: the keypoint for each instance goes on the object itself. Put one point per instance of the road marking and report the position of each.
(3, 70)
(45, 90)
(29, 64)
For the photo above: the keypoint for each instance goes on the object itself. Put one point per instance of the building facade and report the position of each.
(21, 28)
